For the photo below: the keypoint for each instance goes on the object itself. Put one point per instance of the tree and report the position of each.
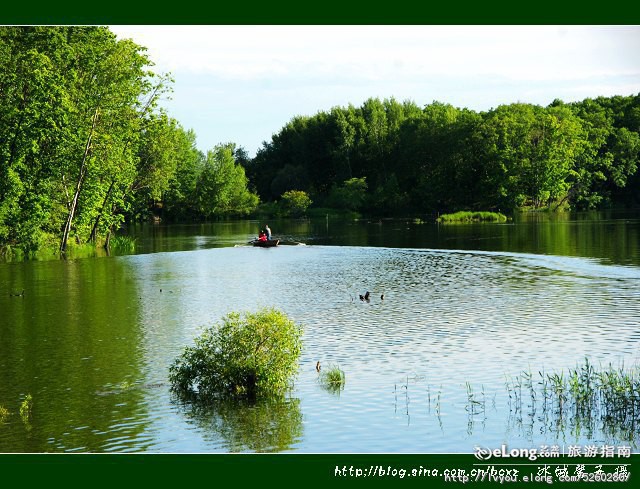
(221, 188)
(531, 154)
(108, 86)
(179, 200)
(164, 151)
(295, 202)
(71, 104)
(610, 152)
(350, 195)
(33, 106)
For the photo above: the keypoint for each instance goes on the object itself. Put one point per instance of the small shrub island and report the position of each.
(472, 216)
(245, 355)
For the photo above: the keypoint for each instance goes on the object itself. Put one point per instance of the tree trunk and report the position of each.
(94, 230)
(107, 242)
(83, 171)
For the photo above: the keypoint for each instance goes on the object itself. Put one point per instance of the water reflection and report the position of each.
(70, 335)
(612, 237)
(264, 425)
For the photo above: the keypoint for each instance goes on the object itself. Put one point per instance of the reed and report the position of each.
(474, 404)
(122, 244)
(584, 394)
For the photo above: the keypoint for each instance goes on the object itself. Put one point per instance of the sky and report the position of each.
(242, 84)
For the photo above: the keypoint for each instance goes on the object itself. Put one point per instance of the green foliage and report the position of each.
(438, 158)
(221, 188)
(466, 216)
(267, 210)
(250, 354)
(70, 117)
(84, 147)
(331, 213)
(533, 153)
(350, 195)
(295, 203)
(179, 200)
(122, 244)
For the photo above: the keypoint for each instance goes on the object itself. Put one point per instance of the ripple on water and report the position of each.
(448, 318)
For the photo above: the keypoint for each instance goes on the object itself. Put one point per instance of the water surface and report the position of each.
(92, 339)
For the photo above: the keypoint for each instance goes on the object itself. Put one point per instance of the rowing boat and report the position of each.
(265, 244)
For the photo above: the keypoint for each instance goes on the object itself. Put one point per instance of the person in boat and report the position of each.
(268, 230)
(262, 236)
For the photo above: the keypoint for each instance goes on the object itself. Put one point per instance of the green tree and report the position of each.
(350, 195)
(532, 154)
(70, 113)
(180, 198)
(109, 82)
(295, 202)
(167, 167)
(221, 189)
(33, 102)
(611, 149)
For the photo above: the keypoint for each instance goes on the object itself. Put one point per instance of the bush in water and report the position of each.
(247, 354)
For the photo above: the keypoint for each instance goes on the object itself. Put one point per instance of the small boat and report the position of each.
(265, 244)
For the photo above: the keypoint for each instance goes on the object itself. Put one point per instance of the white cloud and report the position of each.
(379, 52)
(233, 71)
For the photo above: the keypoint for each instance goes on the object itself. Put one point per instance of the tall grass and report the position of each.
(582, 396)
(122, 244)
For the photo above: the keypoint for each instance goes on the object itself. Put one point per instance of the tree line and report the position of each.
(85, 146)
(388, 157)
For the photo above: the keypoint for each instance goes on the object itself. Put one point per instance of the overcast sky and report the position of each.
(242, 84)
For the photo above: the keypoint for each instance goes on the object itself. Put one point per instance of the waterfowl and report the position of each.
(361, 297)
(382, 297)
(366, 296)
(318, 367)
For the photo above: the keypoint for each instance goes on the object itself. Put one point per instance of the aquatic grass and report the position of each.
(474, 406)
(583, 395)
(472, 216)
(122, 244)
(438, 402)
(332, 378)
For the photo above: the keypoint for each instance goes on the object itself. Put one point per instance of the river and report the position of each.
(467, 308)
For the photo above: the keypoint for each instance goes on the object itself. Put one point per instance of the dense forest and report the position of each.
(85, 147)
(390, 158)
